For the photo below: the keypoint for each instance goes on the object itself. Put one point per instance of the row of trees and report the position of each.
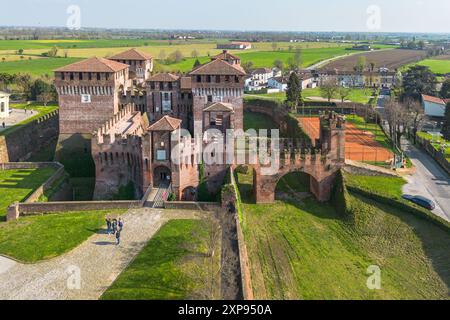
(25, 87)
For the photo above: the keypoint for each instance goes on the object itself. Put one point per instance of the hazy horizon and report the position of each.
(381, 16)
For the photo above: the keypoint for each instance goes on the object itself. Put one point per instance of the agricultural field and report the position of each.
(17, 185)
(392, 59)
(175, 264)
(302, 249)
(262, 53)
(36, 238)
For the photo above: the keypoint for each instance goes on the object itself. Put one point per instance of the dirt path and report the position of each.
(98, 261)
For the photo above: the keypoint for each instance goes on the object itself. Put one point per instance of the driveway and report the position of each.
(88, 270)
(429, 180)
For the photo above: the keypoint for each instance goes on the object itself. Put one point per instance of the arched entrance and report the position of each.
(162, 176)
(294, 184)
(189, 194)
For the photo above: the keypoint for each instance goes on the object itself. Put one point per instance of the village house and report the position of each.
(434, 106)
(258, 79)
(235, 45)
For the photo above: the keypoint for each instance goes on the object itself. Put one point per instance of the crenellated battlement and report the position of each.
(105, 134)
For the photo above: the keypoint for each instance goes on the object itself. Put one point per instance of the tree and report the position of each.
(194, 54)
(294, 91)
(23, 82)
(53, 52)
(197, 63)
(248, 66)
(415, 117)
(418, 80)
(176, 56)
(40, 87)
(162, 55)
(20, 51)
(372, 66)
(66, 53)
(445, 90)
(274, 46)
(361, 65)
(45, 97)
(328, 90)
(446, 127)
(278, 64)
(343, 93)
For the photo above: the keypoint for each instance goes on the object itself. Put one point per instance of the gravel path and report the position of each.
(97, 261)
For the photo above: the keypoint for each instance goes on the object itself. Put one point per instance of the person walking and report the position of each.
(108, 225)
(114, 226)
(120, 224)
(118, 237)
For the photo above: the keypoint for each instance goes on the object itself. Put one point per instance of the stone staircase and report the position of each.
(159, 195)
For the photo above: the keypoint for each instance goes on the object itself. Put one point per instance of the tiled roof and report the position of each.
(433, 99)
(132, 54)
(186, 83)
(166, 123)
(220, 106)
(262, 70)
(94, 65)
(164, 77)
(218, 67)
(225, 55)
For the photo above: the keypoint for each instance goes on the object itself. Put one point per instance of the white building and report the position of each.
(433, 106)
(278, 83)
(4, 105)
(259, 79)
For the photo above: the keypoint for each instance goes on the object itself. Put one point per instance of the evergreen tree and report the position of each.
(446, 128)
(418, 80)
(294, 91)
(197, 63)
(445, 91)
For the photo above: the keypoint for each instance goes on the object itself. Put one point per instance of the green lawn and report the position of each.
(306, 250)
(388, 186)
(439, 67)
(437, 142)
(38, 109)
(258, 121)
(32, 239)
(173, 265)
(17, 185)
(36, 67)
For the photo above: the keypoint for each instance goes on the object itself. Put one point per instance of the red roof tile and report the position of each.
(94, 65)
(131, 54)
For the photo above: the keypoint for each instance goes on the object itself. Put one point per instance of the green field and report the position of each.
(17, 185)
(307, 250)
(175, 264)
(439, 67)
(36, 67)
(258, 121)
(37, 238)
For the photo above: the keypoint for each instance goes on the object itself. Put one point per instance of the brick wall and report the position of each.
(20, 144)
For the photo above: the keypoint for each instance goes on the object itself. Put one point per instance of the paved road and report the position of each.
(429, 180)
(98, 261)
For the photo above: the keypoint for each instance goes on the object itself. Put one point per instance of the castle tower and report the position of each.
(141, 64)
(332, 135)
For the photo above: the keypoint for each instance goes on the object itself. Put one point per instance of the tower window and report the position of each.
(199, 78)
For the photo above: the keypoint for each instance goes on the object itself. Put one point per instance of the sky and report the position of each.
(243, 15)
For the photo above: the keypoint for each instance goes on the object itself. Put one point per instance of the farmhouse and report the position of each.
(235, 45)
(259, 79)
(434, 106)
(4, 104)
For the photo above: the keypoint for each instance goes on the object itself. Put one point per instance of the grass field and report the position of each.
(33, 239)
(258, 121)
(439, 65)
(36, 67)
(305, 250)
(17, 185)
(173, 265)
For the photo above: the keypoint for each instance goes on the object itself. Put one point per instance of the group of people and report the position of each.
(114, 226)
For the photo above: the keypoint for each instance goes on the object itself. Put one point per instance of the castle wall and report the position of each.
(30, 138)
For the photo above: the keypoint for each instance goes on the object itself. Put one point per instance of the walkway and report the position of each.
(98, 260)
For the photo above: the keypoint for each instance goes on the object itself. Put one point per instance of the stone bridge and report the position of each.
(321, 163)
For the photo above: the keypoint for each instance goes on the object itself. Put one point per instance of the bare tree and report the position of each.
(415, 117)
(328, 90)
(343, 93)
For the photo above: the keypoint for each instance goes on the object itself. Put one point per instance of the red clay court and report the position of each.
(360, 145)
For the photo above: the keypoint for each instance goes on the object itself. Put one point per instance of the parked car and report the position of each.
(420, 201)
